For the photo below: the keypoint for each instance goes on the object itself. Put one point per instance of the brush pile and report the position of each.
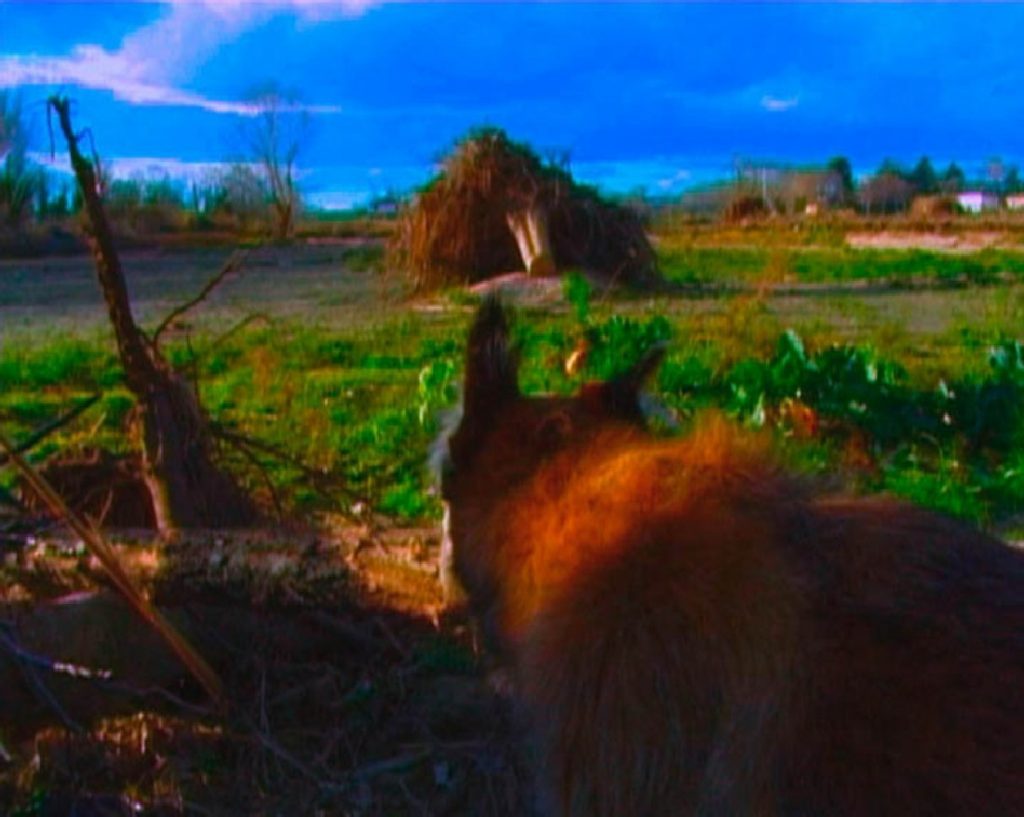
(459, 229)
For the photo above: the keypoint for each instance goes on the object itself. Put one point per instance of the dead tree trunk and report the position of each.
(187, 488)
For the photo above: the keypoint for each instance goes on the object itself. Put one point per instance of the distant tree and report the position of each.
(163, 192)
(240, 192)
(59, 206)
(953, 180)
(885, 193)
(1012, 182)
(924, 178)
(42, 197)
(841, 166)
(890, 167)
(19, 179)
(274, 135)
(995, 172)
(123, 197)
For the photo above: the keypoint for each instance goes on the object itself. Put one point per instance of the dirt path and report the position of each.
(968, 241)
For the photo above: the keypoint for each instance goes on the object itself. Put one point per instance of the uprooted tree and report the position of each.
(187, 488)
(496, 207)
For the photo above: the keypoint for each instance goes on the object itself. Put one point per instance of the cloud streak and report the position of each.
(151, 62)
(776, 104)
(93, 68)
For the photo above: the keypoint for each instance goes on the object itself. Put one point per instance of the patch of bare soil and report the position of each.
(351, 688)
(938, 242)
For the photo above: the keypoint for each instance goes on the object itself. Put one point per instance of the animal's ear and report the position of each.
(622, 393)
(492, 364)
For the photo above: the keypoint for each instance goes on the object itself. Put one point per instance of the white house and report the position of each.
(1015, 201)
(977, 201)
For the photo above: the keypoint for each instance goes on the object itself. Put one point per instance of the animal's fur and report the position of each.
(695, 632)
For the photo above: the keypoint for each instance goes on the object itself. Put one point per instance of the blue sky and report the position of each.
(660, 96)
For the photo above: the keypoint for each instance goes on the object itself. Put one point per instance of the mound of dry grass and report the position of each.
(457, 231)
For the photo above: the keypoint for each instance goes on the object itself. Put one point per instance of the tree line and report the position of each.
(259, 193)
(255, 194)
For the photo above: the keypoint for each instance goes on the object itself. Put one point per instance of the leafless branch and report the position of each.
(101, 677)
(320, 481)
(27, 666)
(47, 429)
(18, 652)
(233, 263)
(108, 558)
(255, 316)
(244, 447)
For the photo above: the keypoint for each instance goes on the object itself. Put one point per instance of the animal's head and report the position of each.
(503, 436)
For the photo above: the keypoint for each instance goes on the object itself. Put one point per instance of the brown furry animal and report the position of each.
(694, 632)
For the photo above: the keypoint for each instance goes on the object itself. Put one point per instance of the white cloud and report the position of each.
(152, 62)
(777, 104)
(93, 68)
(142, 167)
(680, 178)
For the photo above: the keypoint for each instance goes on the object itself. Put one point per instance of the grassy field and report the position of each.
(318, 352)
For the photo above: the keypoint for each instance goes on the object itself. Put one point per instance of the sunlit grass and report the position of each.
(359, 404)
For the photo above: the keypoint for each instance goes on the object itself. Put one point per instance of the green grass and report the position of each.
(62, 361)
(740, 265)
(359, 403)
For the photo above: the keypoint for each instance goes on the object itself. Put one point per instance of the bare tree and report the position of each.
(885, 192)
(241, 192)
(187, 488)
(274, 136)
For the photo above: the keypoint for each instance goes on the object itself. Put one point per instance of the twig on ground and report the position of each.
(102, 678)
(157, 692)
(323, 483)
(8, 642)
(35, 683)
(353, 635)
(270, 744)
(390, 636)
(401, 763)
(245, 449)
(47, 429)
(111, 564)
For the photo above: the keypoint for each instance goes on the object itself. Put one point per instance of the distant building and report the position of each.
(791, 189)
(977, 201)
(1015, 201)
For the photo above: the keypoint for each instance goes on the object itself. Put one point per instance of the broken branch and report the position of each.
(188, 655)
(46, 430)
(234, 262)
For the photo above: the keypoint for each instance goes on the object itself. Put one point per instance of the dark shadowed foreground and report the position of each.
(351, 692)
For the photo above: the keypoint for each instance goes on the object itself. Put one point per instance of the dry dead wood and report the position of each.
(187, 487)
(107, 557)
